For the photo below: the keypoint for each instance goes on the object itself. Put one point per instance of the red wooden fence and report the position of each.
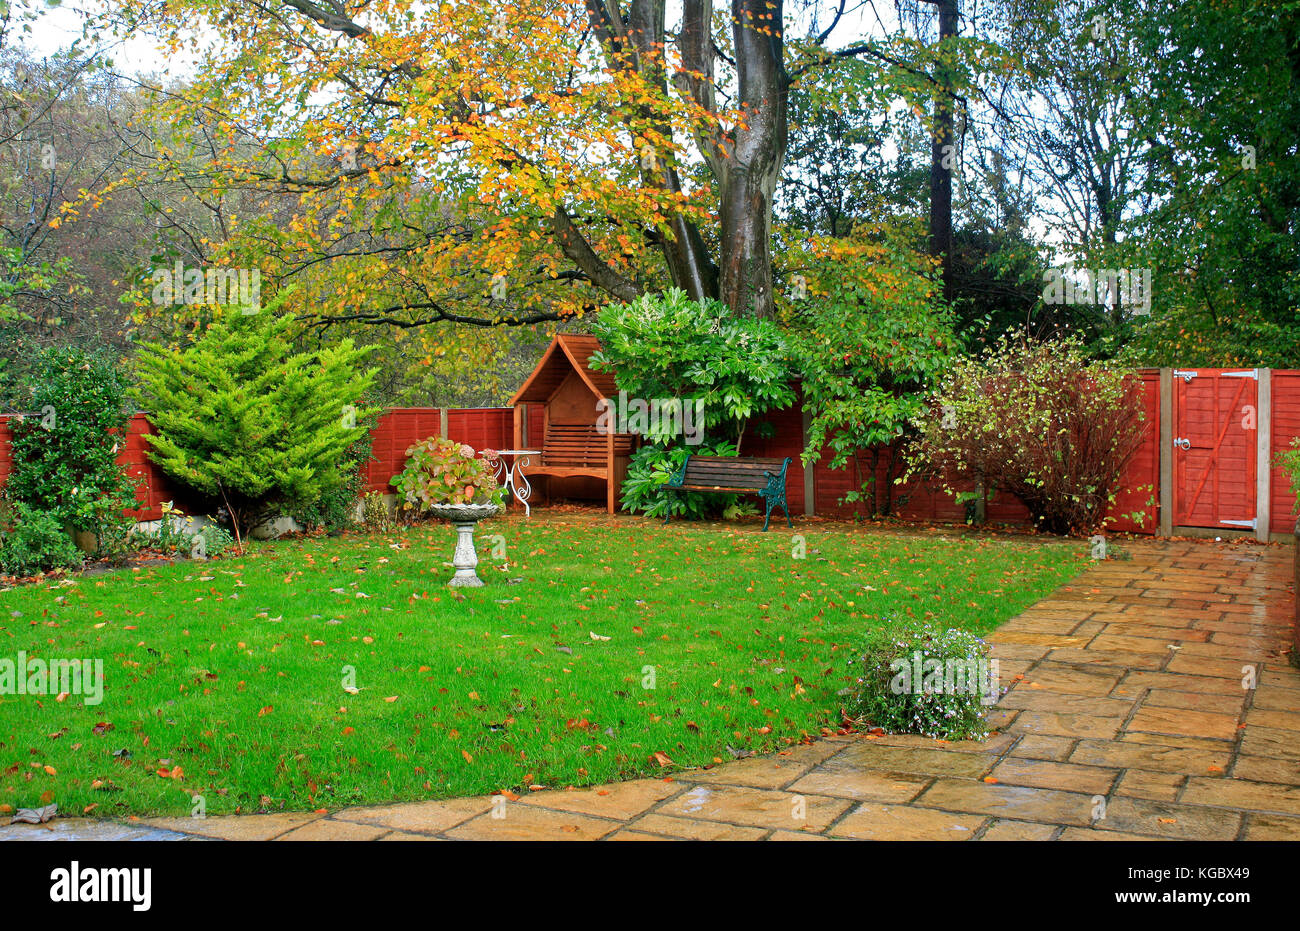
(1207, 411)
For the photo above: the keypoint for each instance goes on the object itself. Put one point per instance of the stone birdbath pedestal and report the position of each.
(465, 559)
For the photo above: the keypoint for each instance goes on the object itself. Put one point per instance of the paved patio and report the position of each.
(1131, 717)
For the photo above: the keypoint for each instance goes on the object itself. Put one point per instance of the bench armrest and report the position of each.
(676, 479)
(776, 482)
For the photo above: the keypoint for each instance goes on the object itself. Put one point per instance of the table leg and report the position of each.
(501, 472)
(520, 486)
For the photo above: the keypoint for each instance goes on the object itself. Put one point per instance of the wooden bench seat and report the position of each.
(762, 477)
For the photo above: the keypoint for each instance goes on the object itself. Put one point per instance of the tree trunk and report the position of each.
(755, 159)
(943, 152)
(746, 167)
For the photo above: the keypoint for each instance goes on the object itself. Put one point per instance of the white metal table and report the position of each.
(507, 464)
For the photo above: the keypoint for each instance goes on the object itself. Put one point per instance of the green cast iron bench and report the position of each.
(763, 477)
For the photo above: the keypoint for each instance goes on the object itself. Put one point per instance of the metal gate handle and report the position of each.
(1182, 442)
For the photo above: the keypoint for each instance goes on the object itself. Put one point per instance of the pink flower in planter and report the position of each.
(467, 451)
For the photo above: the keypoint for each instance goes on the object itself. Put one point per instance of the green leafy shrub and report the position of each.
(1038, 420)
(872, 338)
(667, 346)
(920, 680)
(65, 452)
(653, 465)
(36, 541)
(248, 422)
(441, 471)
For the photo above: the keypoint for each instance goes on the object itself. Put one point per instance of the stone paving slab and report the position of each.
(1151, 699)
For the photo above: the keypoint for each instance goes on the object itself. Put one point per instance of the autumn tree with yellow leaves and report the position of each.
(487, 164)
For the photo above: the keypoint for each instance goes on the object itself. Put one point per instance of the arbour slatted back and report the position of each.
(580, 446)
(753, 475)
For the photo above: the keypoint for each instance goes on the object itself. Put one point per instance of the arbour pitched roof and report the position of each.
(568, 352)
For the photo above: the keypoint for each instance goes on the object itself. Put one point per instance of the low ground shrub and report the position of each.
(36, 541)
(919, 679)
(375, 515)
(653, 465)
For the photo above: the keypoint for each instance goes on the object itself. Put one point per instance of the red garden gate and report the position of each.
(1216, 418)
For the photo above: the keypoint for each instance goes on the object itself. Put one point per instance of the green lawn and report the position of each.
(228, 676)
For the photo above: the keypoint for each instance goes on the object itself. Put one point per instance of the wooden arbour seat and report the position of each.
(567, 395)
(755, 476)
(579, 450)
(583, 451)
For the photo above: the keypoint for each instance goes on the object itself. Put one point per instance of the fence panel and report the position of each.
(1285, 428)
(1140, 491)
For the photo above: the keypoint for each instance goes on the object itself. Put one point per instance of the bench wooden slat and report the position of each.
(762, 476)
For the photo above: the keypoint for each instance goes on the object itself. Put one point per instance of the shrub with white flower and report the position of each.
(918, 679)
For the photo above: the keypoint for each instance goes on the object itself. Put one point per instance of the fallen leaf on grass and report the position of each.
(34, 815)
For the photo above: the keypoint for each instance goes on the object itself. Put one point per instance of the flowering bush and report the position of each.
(440, 471)
(920, 680)
(1040, 421)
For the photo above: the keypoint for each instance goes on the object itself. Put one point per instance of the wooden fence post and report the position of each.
(809, 481)
(1166, 493)
(1263, 449)
(442, 422)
